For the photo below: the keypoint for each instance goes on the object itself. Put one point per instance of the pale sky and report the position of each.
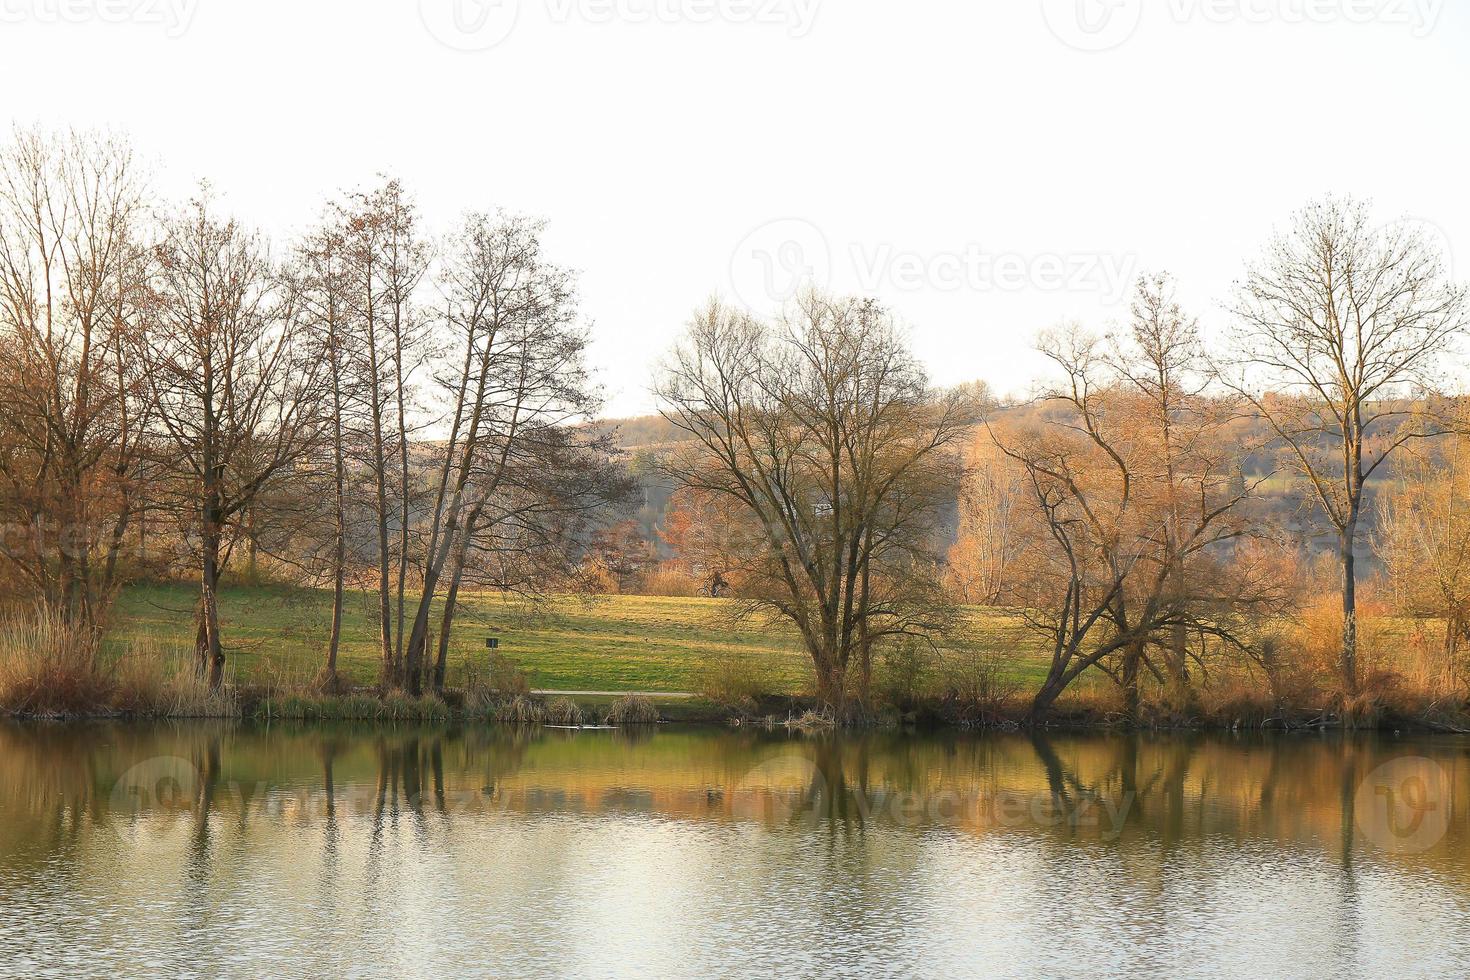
(987, 168)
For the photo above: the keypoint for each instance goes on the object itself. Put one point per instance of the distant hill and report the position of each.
(1282, 502)
(641, 432)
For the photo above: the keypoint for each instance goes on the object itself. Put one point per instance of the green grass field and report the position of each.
(612, 643)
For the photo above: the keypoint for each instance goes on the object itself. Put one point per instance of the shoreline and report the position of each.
(784, 714)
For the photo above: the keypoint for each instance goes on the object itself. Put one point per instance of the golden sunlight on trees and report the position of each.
(988, 542)
(823, 427)
(74, 411)
(1424, 541)
(1343, 328)
(234, 384)
(380, 411)
(710, 538)
(1132, 504)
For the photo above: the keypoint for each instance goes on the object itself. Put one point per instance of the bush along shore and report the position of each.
(153, 684)
(51, 668)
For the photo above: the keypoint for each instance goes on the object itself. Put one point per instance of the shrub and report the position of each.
(49, 666)
(631, 709)
(563, 711)
(521, 710)
(665, 581)
(904, 672)
(506, 677)
(500, 680)
(975, 685)
(734, 677)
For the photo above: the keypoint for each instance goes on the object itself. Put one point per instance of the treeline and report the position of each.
(1118, 515)
(372, 405)
(379, 410)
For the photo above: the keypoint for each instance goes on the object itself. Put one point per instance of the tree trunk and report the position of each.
(1349, 612)
(339, 547)
(456, 577)
(441, 661)
(210, 654)
(1453, 627)
(411, 659)
(1047, 695)
(1132, 661)
(832, 684)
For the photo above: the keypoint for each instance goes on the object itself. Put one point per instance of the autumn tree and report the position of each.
(384, 258)
(1342, 331)
(1126, 518)
(321, 281)
(710, 538)
(74, 411)
(1160, 360)
(1424, 542)
(235, 386)
(988, 540)
(823, 427)
(513, 472)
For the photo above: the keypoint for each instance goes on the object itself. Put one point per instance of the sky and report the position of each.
(988, 169)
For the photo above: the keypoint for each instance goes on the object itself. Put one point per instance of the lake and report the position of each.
(214, 849)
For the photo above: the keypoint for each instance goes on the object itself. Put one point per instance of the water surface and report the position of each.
(247, 851)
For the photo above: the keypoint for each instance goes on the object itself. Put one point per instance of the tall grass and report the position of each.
(155, 679)
(736, 678)
(631, 709)
(50, 666)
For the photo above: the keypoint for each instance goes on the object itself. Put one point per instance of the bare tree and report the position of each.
(824, 428)
(1342, 331)
(1424, 542)
(235, 386)
(322, 286)
(987, 543)
(519, 377)
(1161, 358)
(1124, 537)
(402, 267)
(73, 412)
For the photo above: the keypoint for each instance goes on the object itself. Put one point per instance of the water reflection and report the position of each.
(215, 849)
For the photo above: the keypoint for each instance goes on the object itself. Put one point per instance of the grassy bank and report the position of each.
(606, 647)
(607, 643)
